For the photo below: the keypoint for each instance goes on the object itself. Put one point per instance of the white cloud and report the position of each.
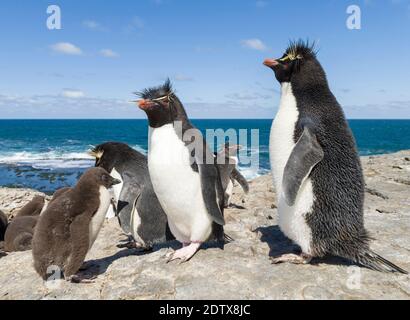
(108, 53)
(72, 93)
(255, 44)
(66, 48)
(59, 106)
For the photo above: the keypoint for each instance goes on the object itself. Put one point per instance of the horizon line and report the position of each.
(271, 119)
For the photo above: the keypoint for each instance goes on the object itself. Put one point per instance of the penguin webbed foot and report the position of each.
(184, 254)
(134, 245)
(76, 278)
(303, 258)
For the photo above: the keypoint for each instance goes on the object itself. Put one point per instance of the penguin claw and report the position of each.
(169, 256)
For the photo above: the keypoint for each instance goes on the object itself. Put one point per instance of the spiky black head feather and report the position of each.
(161, 105)
(301, 49)
(298, 65)
(157, 92)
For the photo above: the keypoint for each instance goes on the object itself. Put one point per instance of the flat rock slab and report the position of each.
(242, 270)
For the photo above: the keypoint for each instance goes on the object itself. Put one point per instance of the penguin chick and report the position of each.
(227, 162)
(19, 233)
(33, 208)
(68, 228)
(316, 167)
(20, 230)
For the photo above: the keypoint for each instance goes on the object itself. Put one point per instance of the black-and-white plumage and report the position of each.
(138, 209)
(316, 167)
(183, 172)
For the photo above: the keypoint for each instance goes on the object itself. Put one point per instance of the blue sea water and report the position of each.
(49, 154)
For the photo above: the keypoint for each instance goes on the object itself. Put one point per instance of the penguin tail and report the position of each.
(376, 262)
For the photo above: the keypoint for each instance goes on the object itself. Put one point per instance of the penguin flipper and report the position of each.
(212, 191)
(130, 192)
(236, 175)
(306, 154)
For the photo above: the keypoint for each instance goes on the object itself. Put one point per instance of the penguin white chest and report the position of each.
(291, 219)
(117, 192)
(98, 219)
(177, 186)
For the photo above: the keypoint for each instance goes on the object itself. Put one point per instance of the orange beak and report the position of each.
(144, 104)
(270, 63)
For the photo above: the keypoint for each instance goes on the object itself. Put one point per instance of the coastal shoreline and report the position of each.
(242, 270)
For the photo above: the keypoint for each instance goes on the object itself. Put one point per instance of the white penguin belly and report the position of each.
(292, 220)
(98, 218)
(177, 186)
(117, 191)
(135, 224)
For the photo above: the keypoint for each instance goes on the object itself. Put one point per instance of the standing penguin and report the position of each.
(227, 162)
(138, 209)
(317, 170)
(186, 180)
(68, 228)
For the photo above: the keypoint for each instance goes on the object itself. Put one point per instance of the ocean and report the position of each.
(50, 154)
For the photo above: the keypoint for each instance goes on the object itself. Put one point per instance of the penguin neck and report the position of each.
(179, 126)
(310, 80)
(286, 89)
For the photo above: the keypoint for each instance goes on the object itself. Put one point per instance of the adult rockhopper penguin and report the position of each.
(183, 172)
(316, 167)
(138, 209)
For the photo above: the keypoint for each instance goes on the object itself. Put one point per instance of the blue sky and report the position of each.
(211, 49)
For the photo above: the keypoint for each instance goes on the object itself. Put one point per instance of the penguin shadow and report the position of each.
(96, 267)
(175, 245)
(279, 244)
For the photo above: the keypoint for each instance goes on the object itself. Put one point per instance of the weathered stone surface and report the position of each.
(242, 270)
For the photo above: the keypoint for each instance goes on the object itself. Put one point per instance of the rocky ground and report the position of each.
(242, 270)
